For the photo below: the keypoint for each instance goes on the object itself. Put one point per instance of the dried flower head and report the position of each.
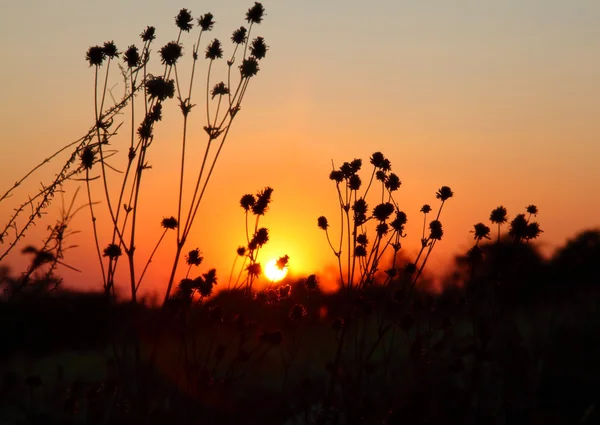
(159, 88)
(241, 251)
(377, 159)
(426, 209)
(155, 114)
(498, 215)
(88, 156)
(354, 182)
(481, 231)
(193, 257)
(519, 227)
(261, 236)
(148, 34)
(95, 55)
(383, 211)
(206, 283)
(132, 57)
(382, 229)
(110, 49)
(444, 193)
(169, 223)
(311, 282)
(399, 221)
(297, 312)
(239, 35)
(336, 176)
(322, 222)
(255, 13)
(263, 199)
(436, 231)
(170, 53)
(258, 48)
(254, 269)
(214, 50)
(362, 239)
(247, 201)
(219, 89)
(206, 22)
(360, 251)
(282, 262)
(532, 209)
(381, 176)
(112, 251)
(533, 230)
(183, 20)
(393, 182)
(249, 67)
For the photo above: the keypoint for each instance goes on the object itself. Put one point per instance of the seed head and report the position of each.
(239, 35)
(444, 193)
(193, 257)
(170, 53)
(258, 48)
(132, 57)
(169, 223)
(206, 22)
(214, 50)
(249, 67)
(498, 215)
(110, 50)
(297, 313)
(183, 20)
(112, 251)
(95, 55)
(88, 156)
(481, 231)
(148, 34)
(322, 222)
(425, 209)
(255, 13)
(247, 201)
(436, 231)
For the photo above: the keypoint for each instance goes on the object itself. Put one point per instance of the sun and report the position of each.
(274, 273)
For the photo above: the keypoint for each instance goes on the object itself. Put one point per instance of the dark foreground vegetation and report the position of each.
(512, 340)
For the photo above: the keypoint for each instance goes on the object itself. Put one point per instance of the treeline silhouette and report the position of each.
(513, 338)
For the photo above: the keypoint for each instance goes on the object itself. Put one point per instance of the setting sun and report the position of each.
(274, 273)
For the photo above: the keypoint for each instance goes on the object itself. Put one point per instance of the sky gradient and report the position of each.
(497, 100)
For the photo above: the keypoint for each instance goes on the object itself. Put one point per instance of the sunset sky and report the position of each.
(498, 100)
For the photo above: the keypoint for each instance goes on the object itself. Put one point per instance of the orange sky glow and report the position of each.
(497, 101)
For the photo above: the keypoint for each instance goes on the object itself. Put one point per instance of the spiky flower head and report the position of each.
(311, 282)
(241, 251)
(206, 22)
(532, 209)
(533, 230)
(159, 88)
(322, 222)
(258, 48)
(354, 182)
(381, 175)
(220, 89)
(426, 209)
(337, 176)
(436, 231)
(169, 223)
(255, 13)
(383, 211)
(132, 57)
(498, 215)
(239, 35)
(148, 34)
(382, 229)
(193, 257)
(444, 193)
(249, 67)
(393, 182)
(170, 53)
(377, 159)
(247, 201)
(518, 227)
(481, 231)
(95, 55)
(282, 262)
(112, 251)
(110, 49)
(399, 221)
(360, 251)
(183, 20)
(297, 312)
(214, 50)
(261, 236)
(362, 239)
(263, 199)
(254, 269)
(88, 156)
